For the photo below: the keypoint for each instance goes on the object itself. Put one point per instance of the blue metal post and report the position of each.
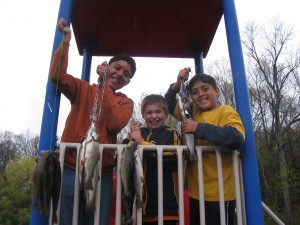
(198, 59)
(253, 203)
(86, 64)
(51, 107)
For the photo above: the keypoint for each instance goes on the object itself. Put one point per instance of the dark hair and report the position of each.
(154, 99)
(126, 58)
(204, 78)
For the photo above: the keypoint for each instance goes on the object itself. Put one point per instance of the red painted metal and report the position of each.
(146, 28)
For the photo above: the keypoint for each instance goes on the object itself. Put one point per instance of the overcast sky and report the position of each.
(26, 40)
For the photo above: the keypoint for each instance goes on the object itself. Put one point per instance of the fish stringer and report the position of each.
(89, 153)
(183, 103)
(94, 118)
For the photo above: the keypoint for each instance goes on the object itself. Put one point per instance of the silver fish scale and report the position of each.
(88, 167)
(131, 172)
(46, 184)
(183, 103)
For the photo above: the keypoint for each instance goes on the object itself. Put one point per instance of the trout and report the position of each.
(56, 188)
(90, 195)
(88, 169)
(46, 184)
(131, 172)
(188, 138)
(138, 180)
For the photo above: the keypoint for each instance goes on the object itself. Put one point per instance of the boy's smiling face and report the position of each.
(205, 96)
(119, 74)
(154, 116)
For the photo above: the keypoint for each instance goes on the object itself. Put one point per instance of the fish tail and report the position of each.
(54, 218)
(90, 201)
(139, 203)
(90, 207)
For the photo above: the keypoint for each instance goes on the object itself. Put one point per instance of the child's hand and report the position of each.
(135, 132)
(63, 28)
(189, 126)
(135, 126)
(182, 75)
(101, 69)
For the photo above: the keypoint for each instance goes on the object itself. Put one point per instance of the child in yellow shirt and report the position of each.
(215, 125)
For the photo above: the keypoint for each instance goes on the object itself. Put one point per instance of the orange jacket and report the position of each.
(116, 109)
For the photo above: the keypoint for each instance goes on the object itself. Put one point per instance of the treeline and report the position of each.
(14, 146)
(16, 166)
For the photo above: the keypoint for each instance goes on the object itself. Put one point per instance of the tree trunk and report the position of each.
(285, 188)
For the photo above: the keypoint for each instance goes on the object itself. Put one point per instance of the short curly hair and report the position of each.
(126, 58)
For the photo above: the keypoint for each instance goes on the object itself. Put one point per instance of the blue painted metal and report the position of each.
(249, 161)
(51, 106)
(87, 62)
(198, 59)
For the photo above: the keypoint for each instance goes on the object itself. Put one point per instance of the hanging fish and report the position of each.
(132, 178)
(88, 167)
(90, 195)
(189, 137)
(46, 184)
(138, 180)
(56, 188)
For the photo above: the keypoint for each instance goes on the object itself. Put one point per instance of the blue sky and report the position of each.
(27, 32)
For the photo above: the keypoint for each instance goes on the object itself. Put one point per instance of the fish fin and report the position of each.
(90, 206)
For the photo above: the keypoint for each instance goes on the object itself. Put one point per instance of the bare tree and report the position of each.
(272, 69)
(27, 143)
(221, 71)
(8, 148)
(136, 117)
(17, 145)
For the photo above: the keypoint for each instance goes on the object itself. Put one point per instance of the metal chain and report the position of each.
(93, 115)
(103, 87)
(185, 98)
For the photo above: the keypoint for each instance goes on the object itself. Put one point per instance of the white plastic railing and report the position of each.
(160, 149)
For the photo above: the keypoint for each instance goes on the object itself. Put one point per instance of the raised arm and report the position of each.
(170, 95)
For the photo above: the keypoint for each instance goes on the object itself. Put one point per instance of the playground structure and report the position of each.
(158, 28)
